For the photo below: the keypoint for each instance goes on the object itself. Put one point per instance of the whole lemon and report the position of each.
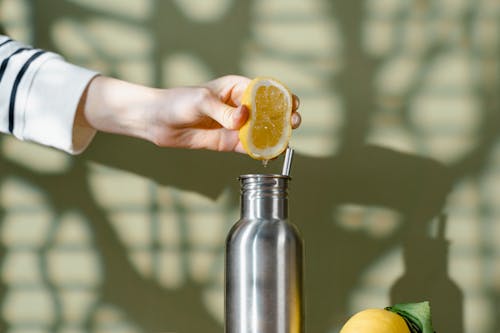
(375, 321)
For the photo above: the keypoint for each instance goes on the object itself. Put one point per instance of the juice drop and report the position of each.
(264, 163)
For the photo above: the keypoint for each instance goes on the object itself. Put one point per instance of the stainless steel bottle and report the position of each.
(264, 253)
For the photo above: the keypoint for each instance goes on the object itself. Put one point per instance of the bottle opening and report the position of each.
(264, 176)
(264, 185)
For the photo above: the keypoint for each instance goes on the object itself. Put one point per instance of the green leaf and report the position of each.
(416, 315)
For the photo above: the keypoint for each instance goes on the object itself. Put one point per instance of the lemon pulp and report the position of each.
(270, 104)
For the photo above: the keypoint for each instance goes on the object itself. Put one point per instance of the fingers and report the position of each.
(229, 88)
(220, 139)
(239, 148)
(227, 116)
(240, 117)
(228, 112)
(296, 120)
(295, 102)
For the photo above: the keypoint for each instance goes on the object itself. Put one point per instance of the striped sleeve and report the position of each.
(39, 95)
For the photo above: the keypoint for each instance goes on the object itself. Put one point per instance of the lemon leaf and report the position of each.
(416, 315)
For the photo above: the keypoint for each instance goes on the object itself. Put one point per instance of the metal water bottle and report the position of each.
(263, 277)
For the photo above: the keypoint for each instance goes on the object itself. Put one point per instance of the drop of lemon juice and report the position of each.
(264, 163)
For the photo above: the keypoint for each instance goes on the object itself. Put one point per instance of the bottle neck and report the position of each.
(264, 197)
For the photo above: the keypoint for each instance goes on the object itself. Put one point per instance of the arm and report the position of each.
(202, 117)
(62, 105)
(177, 117)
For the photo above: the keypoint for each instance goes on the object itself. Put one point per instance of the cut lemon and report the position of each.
(267, 131)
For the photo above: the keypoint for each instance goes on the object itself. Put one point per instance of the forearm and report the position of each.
(115, 106)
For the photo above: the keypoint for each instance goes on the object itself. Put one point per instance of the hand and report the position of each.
(207, 117)
(203, 117)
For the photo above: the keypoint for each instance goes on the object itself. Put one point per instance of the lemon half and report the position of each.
(267, 131)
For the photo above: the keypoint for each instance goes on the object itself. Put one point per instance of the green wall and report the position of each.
(396, 180)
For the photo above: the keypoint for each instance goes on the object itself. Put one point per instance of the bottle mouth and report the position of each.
(264, 185)
(263, 176)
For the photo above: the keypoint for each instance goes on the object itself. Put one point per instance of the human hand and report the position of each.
(201, 117)
(208, 116)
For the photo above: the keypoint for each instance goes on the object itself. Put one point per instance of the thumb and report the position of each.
(229, 117)
(229, 88)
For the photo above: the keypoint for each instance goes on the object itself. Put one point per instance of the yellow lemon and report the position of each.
(267, 131)
(375, 321)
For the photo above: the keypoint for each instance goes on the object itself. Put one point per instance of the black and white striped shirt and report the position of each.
(39, 95)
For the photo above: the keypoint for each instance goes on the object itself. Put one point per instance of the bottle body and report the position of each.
(264, 262)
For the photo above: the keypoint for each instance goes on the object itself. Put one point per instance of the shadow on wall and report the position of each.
(374, 176)
(183, 34)
(368, 175)
(362, 174)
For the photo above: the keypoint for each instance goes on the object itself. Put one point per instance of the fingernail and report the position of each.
(240, 115)
(296, 120)
(296, 102)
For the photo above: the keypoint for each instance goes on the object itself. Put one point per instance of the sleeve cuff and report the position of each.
(51, 105)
